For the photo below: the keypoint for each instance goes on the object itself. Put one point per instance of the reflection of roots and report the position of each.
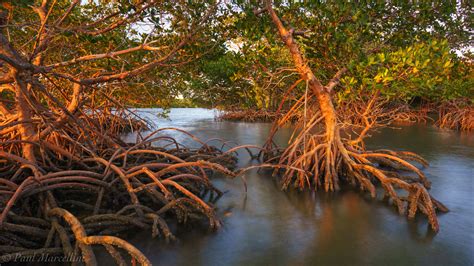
(137, 186)
(328, 160)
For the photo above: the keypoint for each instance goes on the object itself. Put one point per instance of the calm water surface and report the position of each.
(269, 227)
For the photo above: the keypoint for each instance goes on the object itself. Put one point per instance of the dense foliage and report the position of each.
(426, 70)
(406, 51)
(105, 27)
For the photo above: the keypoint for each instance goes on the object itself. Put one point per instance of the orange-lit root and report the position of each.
(132, 186)
(326, 160)
(458, 115)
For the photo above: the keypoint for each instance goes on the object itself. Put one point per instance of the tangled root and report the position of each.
(134, 186)
(319, 158)
(405, 114)
(458, 115)
(252, 116)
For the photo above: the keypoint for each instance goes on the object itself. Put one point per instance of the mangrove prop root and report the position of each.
(329, 160)
(253, 115)
(313, 161)
(65, 170)
(54, 205)
(457, 115)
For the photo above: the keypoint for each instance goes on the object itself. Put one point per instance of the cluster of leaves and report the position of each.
(426, 70)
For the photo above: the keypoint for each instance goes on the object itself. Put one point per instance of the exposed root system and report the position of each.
(349, 111)
(67, 204)
(120, 121)
(67, 179)
(331, 161)
(328, 159)
(251, 115)
(458, 115)
(405, 114)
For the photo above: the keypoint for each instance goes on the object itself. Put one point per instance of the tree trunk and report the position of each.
(25, 114)
(322, 94)
(329, 159)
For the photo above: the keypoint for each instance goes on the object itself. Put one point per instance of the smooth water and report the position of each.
(269, 227)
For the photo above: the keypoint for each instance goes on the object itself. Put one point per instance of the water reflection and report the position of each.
(269, 227)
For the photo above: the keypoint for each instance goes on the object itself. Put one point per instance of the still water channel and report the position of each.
(266, 226)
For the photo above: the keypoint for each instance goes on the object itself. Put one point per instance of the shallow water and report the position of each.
(269, 227)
